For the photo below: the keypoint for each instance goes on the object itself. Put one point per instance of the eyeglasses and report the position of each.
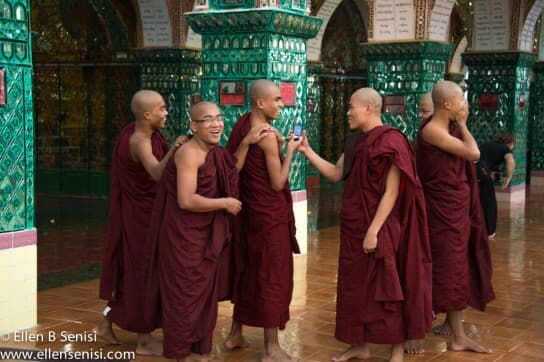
(210, 119)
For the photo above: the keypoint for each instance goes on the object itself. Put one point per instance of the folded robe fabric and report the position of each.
(383, 297)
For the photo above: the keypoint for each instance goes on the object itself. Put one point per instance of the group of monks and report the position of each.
(197, 223)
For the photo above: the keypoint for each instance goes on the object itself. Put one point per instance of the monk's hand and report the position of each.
(181, 140)
(462, 116)
(294, 144)
(232, 205)
(257, 133)
(370, 242)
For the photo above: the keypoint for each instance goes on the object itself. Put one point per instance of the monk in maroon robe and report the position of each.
(384, 267)
(189, 232)
(138, 160)
(264, 246)
(446, 153)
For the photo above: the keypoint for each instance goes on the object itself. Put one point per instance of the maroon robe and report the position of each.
(265, 241)
(460, 250)
(187, 249)
(383, 297)
(125, 260)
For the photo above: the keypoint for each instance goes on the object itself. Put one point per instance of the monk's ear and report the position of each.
(192, 127)
(260, 103)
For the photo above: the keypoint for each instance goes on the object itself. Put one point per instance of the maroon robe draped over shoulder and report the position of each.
(383, 297)
(460, 249)
(187, 252)
(264, 241)
(125, 261)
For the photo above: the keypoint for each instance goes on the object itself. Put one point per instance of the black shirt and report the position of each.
(492, 155)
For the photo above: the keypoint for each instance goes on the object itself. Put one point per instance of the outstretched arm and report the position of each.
(255, 135)
(332, 172)
(143, 152)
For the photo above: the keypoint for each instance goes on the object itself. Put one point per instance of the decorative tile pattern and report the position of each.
(507, 75)
(536, 119)
(407, 68)
(16, 122)
(248, 45)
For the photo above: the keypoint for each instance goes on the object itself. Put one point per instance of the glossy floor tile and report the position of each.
(513, 324)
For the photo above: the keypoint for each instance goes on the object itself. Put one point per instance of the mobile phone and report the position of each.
(297, 131)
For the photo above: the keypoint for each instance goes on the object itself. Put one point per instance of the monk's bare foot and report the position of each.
(147, 346)
(492, 236)
(464, 343)
(444, 329)
(104, 331)
(397, 353)
(235, 341)
(413, 347)
(360, 352)
(274, 353)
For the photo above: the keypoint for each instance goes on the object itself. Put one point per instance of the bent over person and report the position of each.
(384, 267)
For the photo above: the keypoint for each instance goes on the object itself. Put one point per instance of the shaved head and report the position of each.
(443, 91)
(427, 98)
(369, 96)
(259, 89)
(144, 101)
(203, 109)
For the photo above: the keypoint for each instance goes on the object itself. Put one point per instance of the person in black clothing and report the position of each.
(492, 155)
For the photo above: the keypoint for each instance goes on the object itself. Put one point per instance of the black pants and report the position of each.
(489, 203)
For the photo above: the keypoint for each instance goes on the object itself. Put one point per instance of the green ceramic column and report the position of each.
(402, 72)
(536, 125)
(18, 260)
(175, 73)
(499, 97)
(241, 44)
(313, 119)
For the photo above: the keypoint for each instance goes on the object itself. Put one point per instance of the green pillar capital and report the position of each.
(175, 73)
(405, 71)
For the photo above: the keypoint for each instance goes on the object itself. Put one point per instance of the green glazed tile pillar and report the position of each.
(175, 73)
(536, 125)
(242, 45)
(403, 72)
(313, 120)
(18, 258)
(499, 99)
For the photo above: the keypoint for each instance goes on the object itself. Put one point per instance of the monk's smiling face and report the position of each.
(357, 112)
(207, 123)
(271, 102)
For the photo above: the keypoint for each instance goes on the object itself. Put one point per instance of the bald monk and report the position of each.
(138, 161)
(425, 111)
(446, 153)
(190, 230)
(426, 107)
(384, 267)
(263, 288)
